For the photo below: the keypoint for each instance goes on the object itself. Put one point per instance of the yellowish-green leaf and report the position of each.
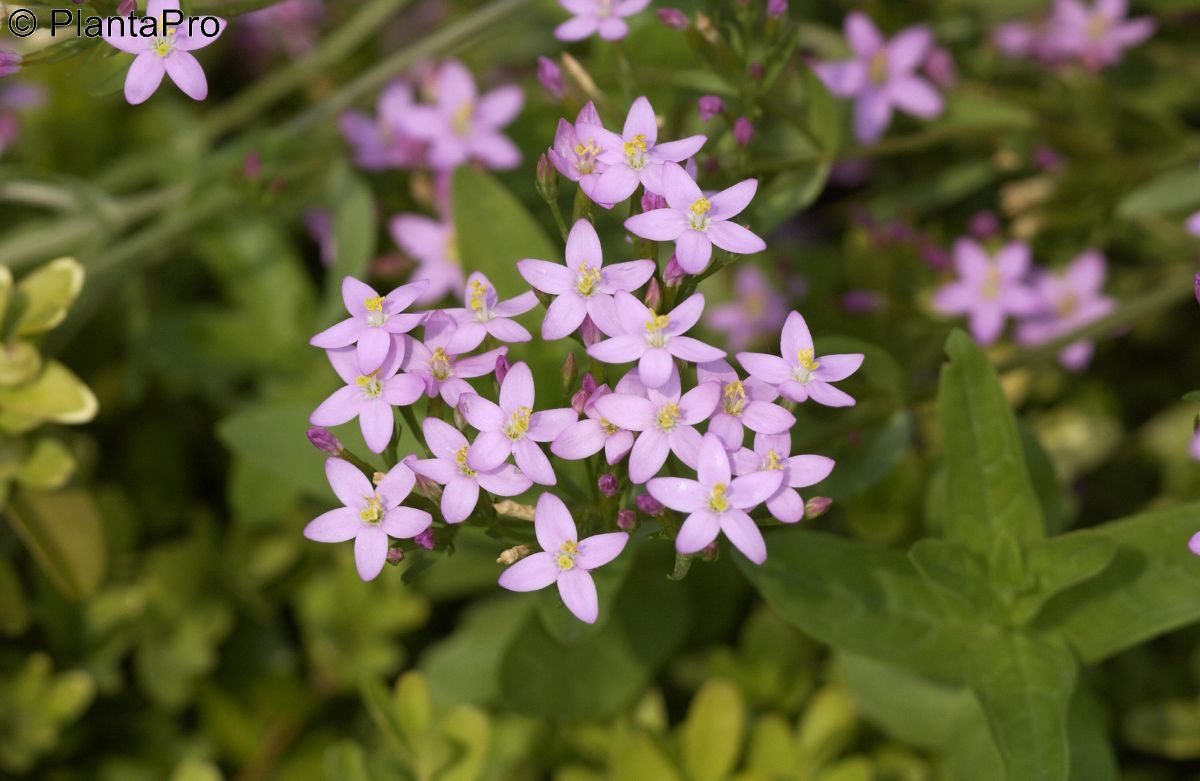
(414, 707)
(55, 396)
(45, 296)
(48, 465)
(712, 734)
(63, 532)
(20, 362)
(469, 729)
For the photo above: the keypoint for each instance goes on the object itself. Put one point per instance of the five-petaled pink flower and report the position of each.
(744, 404)
(1096, 36)
(584, 286)
(716, 503)
(882, 76)
(988, 289)
(594, 433)
(513, 427)
(605, 17)
(696, 222)
(371, 514)
(664, 420)
(1068, 301)
(463, 126)
(368, 396)
(373, 321)
(576, 156)
(169, 53)
(564, 559)
(433, 244)
(485, 314)
(652, 339)
(800, 374)
(635, 156)
(449, 468)
(442, 370)
(772, 453)
(381, 142)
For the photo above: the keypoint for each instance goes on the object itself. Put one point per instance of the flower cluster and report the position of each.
(681, 405)
(1094, 36)
(992, 288)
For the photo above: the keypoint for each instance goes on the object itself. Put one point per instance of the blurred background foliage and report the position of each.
(163, 618)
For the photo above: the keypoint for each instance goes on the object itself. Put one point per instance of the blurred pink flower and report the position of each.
(167, 55)
(381, 142)
(988, 289)
(1067, 302)
(433, 245)
(551, 78)
(603, 17)
(756, 309)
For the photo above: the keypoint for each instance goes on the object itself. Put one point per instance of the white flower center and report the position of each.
(441, 366)
(668, 414)
(370, 384)
(588, 279)
(635, 152)
(656, 329)
(376, 317)
(716, 500)
(518, 423)
(806, 365)
(373, 512)
(733, 398)
(585, 156)
(699, 220)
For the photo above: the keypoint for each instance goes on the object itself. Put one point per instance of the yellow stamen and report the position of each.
(667, 415)
(774, 462)
(734, 397)
(701, 206)
(565, 559)
(440, 364)
(806, 360)
(585, 156)
(991, 283)
(460, 458)
(461, 119)
(164, 46)
(478, 292)
(655, 327)
(374, 304)
(570, 546)
(373, 512)
(1066, 306)
(370, 384)
(635, 152)
(717, 502)
(878, 67)
(518, 423)
(608, 427)
(589, 277)
(565, 562)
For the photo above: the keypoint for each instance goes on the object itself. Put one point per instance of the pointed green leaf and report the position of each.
(45, 295)
(638, 758)
(711, 737)
(55, 396)
(1173, 193)
(346, 761)
(63, 532)
(988, 485)
(470, 731)
(48, 465)
(414, 708)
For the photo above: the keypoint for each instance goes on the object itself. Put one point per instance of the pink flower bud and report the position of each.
(425, 539)
(710, 552)
(756, 70)
(1047, 159)
(551, 78)
(984, 225)
(252, 166)
(673, 18)
(626, 520)
(777, 8)
(547, 179)
(323, 440)
(126, 7)
(460, 418)
(589, 384)
(10, 63)
(649, 505)
(673, 274)
(709, 107)
(653, 295)
(650, 202)
(862, 301)
(816, 507)
(395, 556)
(590, 333)
(608, 485)
(502, 367)
(939, 67)
(570, 371)
(743, 131)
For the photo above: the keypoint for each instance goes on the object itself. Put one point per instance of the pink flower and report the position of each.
(772, 453)
(449, 468)
(605, 17)
(564, 559)
(374, 322)
(635, 156)
(881, 76)
(10, 63)
(695, 222)
(1068, 301)
(368, 397)
(583, 287)
(757, 309)
(665, 420)
(988, 289)
(463, 126)
(371, 514)
(1096, 36)
(743, 405)
(382, 142)
(441, 369)
(434, 246)
(168, 54)
(575, 154)
(715, 503)
(709, 107)
(799, 375)
(485, 314)
(652, 339)
(551, 78)
(585, 438)
(513, 427)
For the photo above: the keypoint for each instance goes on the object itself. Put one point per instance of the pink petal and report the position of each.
(744, 535)
(685, 444)
(629, 412)
(655, 367)
(406, 522)
(488, 451)
(838, 367)
(731, 201)
(184, 69)
(439, 470)
(131, 44)
(734, 238)
(618, 446)
(552, 523)
(337, 525)
(648, 455)
(506, 330)
(613, 29)
(544, 426)
(768, 368)
(373, 346)
(786, 506)
(699, 403)
(466, 337)
(349, 484)
(455, 85)
(583, 247)
(843, 79)
(516, 306)
(917, 96)
(824, 393)
(678, 151)
(658, 224)
(680, 190)
(500, 106)
(686, 314)
(189, 43)
(517, 390)
(795, 337)
(481, 413)
(396, 485)
(564, 315)
(530, 573)
(600, 549)
(640, 121)
(766, 418)
(506, 480)
(533, 462)
(698, 531)
(613, 186)
(685, 496)
(478, 365)
(862, 34)
(803, 471)
(729, 429)
(628, 276)
(578, 591)
(693, 250)
(339, 335)
(713, 463)
(443, 439)
(143, 78)
(693, 350)
(343, 406)
(403, 390)
(377, 423)
(459, 499)
(576, 29)
(579, 440)
(355, 294)
(749, 491)
(370, 551)
(872, 115)
(908, 49)
(619, 349)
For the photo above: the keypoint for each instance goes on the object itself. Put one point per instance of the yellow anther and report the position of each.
(608, 427)
(734, 397)
(460, 458)
(570, 547)
(565, 562)
(701, 206)
(806, 360)
(565, 558)
(878, 66)
(657, 322)
(370, 385)
(164, 46)
(717, 502)
(440, 364)
(1067, 306)
(991, 283)
(774, 462)
(374, 304)
(373, 512)
(638, 144)
(667, 415)
(518, 423)
(478, 292)
(461, 119)
(589, 278)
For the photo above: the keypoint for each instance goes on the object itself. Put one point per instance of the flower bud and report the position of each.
(1047, 159)
(626, 520)
(513, 555)
(776, 8)
(743, 131)
(653, 295)
(126, 7)
(590, 333)
(252, 166)
(551, 78)
(322, 439)
(588, 384)
(10, 63)
(650, 202)
(395, 556)
(709, 107)
(570, 371)
(460, 417)
(673, 274)
(547, 179)
(939, 67)
(816, 507)
(1196, 284)
(502, 367)
(608, 484)
(426, 487)
(673, 18)
(425, 539)
(862, 301)
(984, 225)
(756, 70)
(710, 552)
(649, 505)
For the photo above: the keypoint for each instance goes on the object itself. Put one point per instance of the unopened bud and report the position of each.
(743, 131)
(626, 520)
(324, 440)
(710, 552)
(650, 202)
(426, 487)
(126, 7)
(709, 107)
(590, 333)
(588, 384)
(816, 507)
(551, 77)
(984, 225)
(502, 367)
(425, 539)
(395, 556)
(776, 8)
(460, 417)
(10, 63)
(939, 67)
(649, 505)
(513, 555)
(673, 18)
(252, 166)
(756, 70)
(608, 484)
(570, 371)
(673, 274)
(653, 295)
(547, 179)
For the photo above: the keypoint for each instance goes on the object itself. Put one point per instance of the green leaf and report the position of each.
(495, 230)
(272, 437)
(1173, 193)
(20, 362)
(14, 608)
(987, 482)
(1024, 685)
(638, 758)
(469, 729)
(48, 465)
(772, 748)
(45, 295)
(827, 728)
(63, 532)
(1137, 596)
(788, 193)
(355, 234)
(55, 396)
(711, 736)
(858, 597)
(414, 707)
(346, 761)
(965, 110)
(465, 667)
(1061, 562)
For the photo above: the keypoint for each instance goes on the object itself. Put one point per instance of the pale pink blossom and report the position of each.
(168, 54)
(449, 467)
(486, 315)
(772, 453)
(370, 396)
(442, 370)
(798, 373)
(743, 404)
(375, 322)
(605, 18)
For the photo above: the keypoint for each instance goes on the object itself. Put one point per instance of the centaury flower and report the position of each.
(653, 340)
(799, 374)
(603, 17)
(988, 289)
(170, 53)
(485, 314)
(433, 244)
(1068, 301)
(772, 453)
(564, 559)
(368, 396)
(744, 404)
(449, 468)
(1096, 35)
(441, 369)
(371, 514)
(574, 154)
(585, 438)
(381, 142)
(374, 322)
